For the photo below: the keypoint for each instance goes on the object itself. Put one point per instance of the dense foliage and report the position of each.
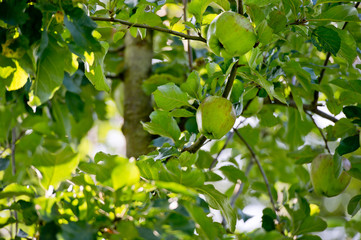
(296, 94)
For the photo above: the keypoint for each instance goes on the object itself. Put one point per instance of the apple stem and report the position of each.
(240, 7)
(230, 80)
(196, 145)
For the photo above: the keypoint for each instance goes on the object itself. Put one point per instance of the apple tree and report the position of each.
(241, 119)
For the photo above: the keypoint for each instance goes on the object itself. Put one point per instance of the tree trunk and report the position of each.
(137, 105)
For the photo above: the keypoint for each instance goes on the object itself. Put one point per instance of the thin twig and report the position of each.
(238, 189)
(260, 169)
(215, 160)
(156, 28)
(230, 81)
(320, 130)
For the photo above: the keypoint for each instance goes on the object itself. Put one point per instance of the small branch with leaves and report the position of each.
(325, 63)
(156, 28)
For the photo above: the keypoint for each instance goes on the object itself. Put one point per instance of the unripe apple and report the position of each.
(230, 34)
(323, 177)
(215, 117)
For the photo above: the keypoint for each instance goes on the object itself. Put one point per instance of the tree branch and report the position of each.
(307, 108)
(260, 169)
(156, 28)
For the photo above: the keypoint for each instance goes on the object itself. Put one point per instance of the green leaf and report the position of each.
(293, 68)
(95, 69)
(50, 70)
(311, 224)
(219, 201)
(348, 46)
(72, 230)
(264, 32)
(260, 3)
(326, 39)
(298, 100)
(14, 190)
(198, 7)
(170, 96)
(193, 85)
(148, 167)
(293, 5)
(268, 86)
(296, 128)
(204, 159)
(12, 12)
(351, 85)
(310, 237)
(331, 1)
(81, 28)
(340, 13)
(268, 217)
(354, 205)
(104, 166)
(344, 127)
(233, 174)
(349, 144)
(352, 112)
(277, 21)
(305, 155)
(206, 227)
(4, 163)
(55, 167)
(181, 113)
(176, 187)
(162, 124)
(19, 77)
(191, 177)
(152, 83)
(125, 174)
(143, 16)
(187, 159)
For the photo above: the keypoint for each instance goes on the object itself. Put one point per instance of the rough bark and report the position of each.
(137, 105)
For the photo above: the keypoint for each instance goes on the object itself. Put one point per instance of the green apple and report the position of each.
(230, 34)
(323, 178)
(215, 117)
